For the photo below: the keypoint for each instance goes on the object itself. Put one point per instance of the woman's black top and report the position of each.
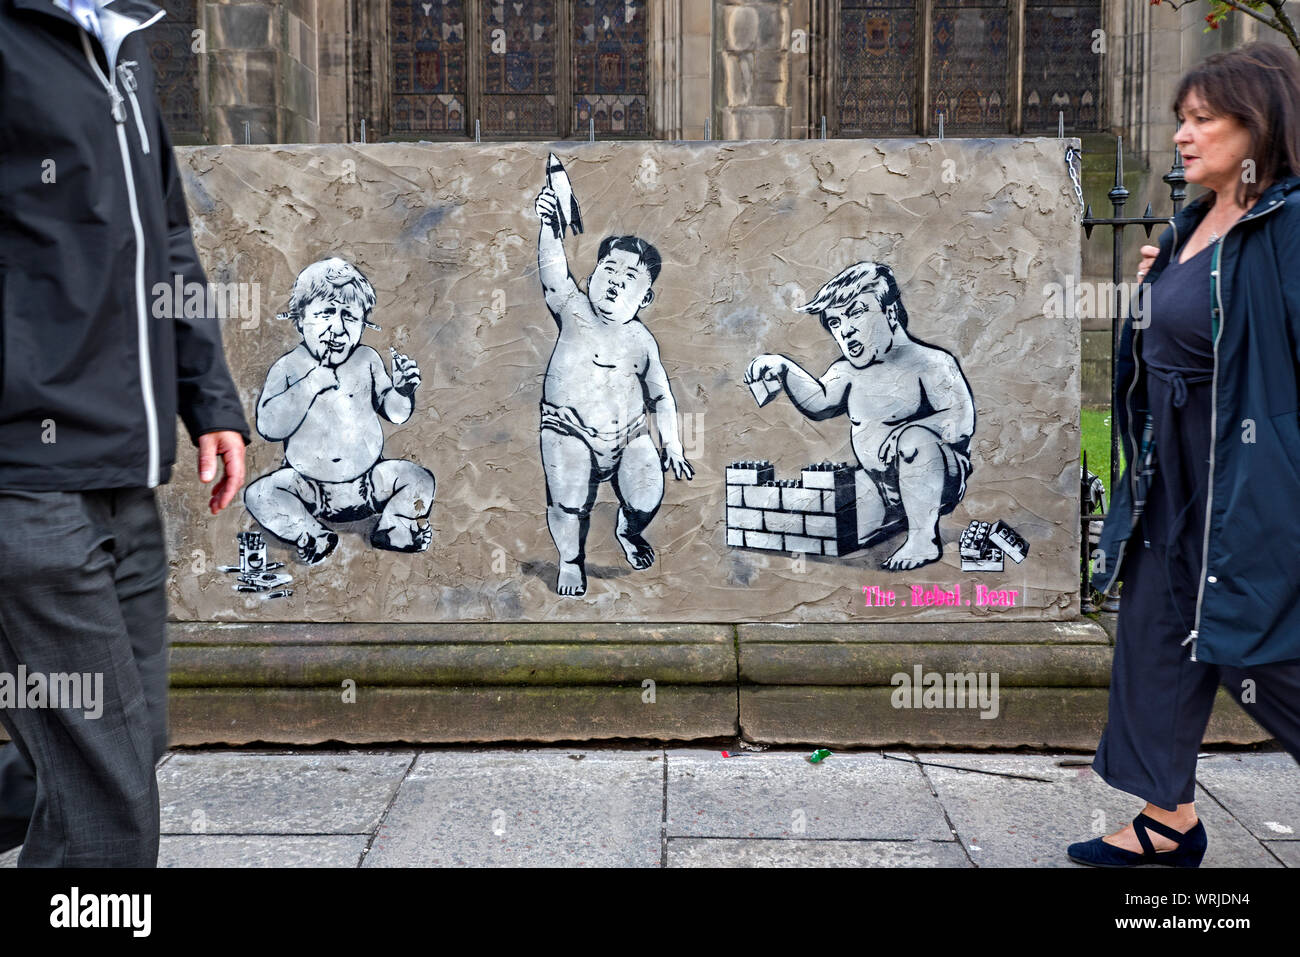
(1178, 355)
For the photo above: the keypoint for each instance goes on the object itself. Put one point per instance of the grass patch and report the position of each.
(1095, 429)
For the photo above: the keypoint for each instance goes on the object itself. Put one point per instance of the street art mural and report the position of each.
(910, 414)
(324, 400)
(657, 382)
(604, 379)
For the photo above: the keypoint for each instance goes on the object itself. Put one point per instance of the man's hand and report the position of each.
(230, 446)
(673, 457)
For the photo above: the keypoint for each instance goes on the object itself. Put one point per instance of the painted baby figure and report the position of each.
(323, 400)
(604, 376)
(910, 410)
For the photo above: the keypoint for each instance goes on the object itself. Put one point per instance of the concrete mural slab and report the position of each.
(417, 405)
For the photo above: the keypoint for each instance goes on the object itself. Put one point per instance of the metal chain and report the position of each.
(1071, 155)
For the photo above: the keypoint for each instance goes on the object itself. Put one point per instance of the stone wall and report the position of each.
(752, 80)
(973, 230)
(262, 70)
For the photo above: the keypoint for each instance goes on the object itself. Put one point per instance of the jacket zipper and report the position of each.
(1128, 407)
(125, 71)
(1194, 636)
(142, 323)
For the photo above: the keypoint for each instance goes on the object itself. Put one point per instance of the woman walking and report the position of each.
(1204, 525)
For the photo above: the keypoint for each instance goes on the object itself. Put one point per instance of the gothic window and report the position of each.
(521, 68)
(1062, 42)
(969, 65)
(428, 57)
(877, 92)
(176, 66)
(899, 65)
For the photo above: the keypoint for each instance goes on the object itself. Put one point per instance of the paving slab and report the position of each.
(206, 850)
(1006, 822)
(1288, 852)
(1261, 790)
(730, 852)
(240, 792)
(526, 809)
(783, 795)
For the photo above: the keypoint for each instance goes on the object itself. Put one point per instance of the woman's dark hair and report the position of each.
(1259, 86)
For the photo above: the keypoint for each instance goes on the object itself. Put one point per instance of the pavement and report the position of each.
(671, 807)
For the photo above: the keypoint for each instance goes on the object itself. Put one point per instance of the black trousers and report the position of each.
(82, 592)
(1160, 700)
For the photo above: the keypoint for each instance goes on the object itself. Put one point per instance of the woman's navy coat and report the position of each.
(1248, 609)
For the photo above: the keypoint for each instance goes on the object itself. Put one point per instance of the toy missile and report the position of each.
(566, 204)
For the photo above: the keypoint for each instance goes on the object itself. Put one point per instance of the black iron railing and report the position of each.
(1118, 196)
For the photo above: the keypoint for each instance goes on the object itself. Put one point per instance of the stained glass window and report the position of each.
(518, 47)
(609, 66)
(969, 60)
(1062, 70)
(429, 66)
(877, 83)
(176, 66)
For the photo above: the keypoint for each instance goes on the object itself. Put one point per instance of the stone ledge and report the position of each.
(549, 664)
(1079, 631)
(1051, 718)
(872, 663)
(296, 716)
(351, 633)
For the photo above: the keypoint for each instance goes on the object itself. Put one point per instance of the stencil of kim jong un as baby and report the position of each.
(910, 410)
(324, 400)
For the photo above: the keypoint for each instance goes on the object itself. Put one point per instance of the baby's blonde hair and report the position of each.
(860, 279)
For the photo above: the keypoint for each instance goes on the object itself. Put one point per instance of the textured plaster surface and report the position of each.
(974, 230)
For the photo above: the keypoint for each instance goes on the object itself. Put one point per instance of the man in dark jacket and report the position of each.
(92, 221)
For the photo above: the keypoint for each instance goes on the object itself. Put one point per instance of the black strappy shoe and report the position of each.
(1188, 853)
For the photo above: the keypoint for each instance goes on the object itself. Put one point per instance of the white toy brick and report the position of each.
(789, 522)
(768, 540)
(823, 526)
(762, 496)
(748, 518)
(801, 543)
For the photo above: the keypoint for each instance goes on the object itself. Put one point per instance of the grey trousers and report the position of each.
(82, 591)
